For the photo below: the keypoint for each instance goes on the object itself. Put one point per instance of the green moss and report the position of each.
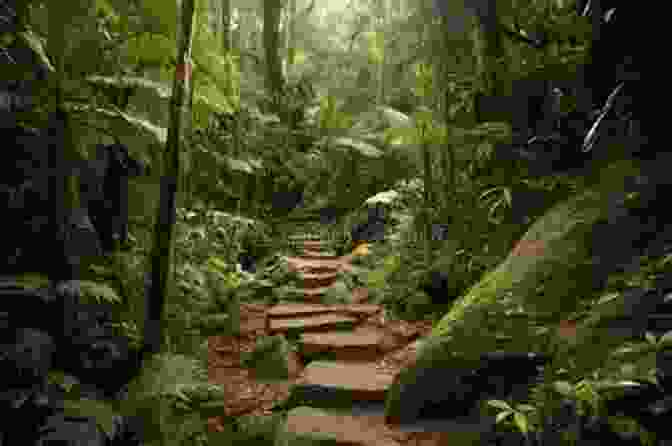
(540, 286)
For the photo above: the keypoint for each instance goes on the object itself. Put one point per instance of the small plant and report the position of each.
(517, 416)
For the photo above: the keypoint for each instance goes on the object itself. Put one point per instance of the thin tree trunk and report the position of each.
(162, 255)
(272, 10)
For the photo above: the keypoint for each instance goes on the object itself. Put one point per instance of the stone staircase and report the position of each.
(341, 393)
(333, 330)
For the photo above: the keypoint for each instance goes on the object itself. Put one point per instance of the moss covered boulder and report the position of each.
(563, 258)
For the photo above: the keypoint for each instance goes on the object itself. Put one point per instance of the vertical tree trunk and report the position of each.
(162, 255)
(380, 34)
(64, 188)
(272, 10)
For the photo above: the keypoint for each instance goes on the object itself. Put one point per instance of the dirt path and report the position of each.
(363, 359)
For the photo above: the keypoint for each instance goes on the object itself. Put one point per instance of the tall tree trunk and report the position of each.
(383, 20)
(162, 255)
(272, 10)
(428, 196)
(64, 187)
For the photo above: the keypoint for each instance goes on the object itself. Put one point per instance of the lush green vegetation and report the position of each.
(298, 108)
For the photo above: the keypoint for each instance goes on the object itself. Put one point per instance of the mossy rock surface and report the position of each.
(556, 264)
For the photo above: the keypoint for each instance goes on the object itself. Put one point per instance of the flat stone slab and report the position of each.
(305, 423)
(296, 309)
(321, 321)
(361, 345)
(327, 426)
(289, 309)
(315, 265)
(362, 379)
(369, 338)
(326, 275)
(361, 309)
(312, 256)
(310, 253)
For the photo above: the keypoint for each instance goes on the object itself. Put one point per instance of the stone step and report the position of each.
(316, 426)
(359, 345)
(324, 269)
(319, 280)
(310, 256)
(315, 253)
(290, 309)
(315, 266)
(310, 323)
(313, 245)
(285, 310)
(355, 381)
(307, 425)
(360, 309)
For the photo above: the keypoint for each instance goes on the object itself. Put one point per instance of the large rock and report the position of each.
(564, 257)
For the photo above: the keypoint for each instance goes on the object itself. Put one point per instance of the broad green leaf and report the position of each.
(100, 291)
(503, 416)
(521, 422)
(386, 197)
(239, 165)
(218, 264)
(162, 90)
(360, 146)
(526, 408)
(500, 404)
(666, 338)
(158, 134)
(395, 118)
(401, 135)
(35, 44)
(105, 8)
